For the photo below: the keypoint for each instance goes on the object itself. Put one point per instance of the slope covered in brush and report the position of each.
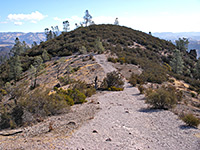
(113, 37)
(131, 46)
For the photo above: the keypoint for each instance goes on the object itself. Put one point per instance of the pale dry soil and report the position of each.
(123, 121)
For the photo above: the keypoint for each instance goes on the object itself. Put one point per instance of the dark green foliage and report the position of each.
(90, 91)
(191, 120)
(154, 73)
(111, 59)
(45, 56)
(63, 94)
(141, 89)
(193, 94)
(177, 62)
(84, 88)
(135, 79)
(113, 88)
(4, 120)
(98, 46)
(112, 79)
(65, 80)
(162, 98)
(121, 60)
(77, 96)
(16, 114)
(3, 92)
(43, 104)
(182, 44)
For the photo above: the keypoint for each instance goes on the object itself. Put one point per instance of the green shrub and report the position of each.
(121, 60)
(113, 88)
(111, 59)
(63, 94)
(17, 113)
(179, 95)
(135, 79)
(141, 89)
(3, 92)
(41, 103)
(161, 98)
(90, 91)
(66, 80)
(86, 89)
(191, 120)
(77, 96)
(5, 120)
(112, 79)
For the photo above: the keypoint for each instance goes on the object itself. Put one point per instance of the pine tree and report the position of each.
(98, 46)
(45, 56)
(87, 18)
(37, 64)
(182, 44)
(177, 62)
(116, 22)
(83, 50)
(17, 48)
(15, 68)
(197, 69)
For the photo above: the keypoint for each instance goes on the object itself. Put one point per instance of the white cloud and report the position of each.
(18, 23)
(33, 21)
(104, 20)
(57, 19)
(32, 17)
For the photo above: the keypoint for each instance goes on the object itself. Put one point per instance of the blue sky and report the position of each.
(144, 15)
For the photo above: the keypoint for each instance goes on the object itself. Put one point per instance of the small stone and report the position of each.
(94, 131)
(109, 139)
(71, 123)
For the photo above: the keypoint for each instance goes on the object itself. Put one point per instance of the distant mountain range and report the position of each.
(8, 38)
(194, 38)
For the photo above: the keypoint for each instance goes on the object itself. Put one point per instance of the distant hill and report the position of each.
(194, 38)
(29, 38)
(7, 40)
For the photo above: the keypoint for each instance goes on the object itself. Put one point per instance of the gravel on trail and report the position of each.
(125, 122)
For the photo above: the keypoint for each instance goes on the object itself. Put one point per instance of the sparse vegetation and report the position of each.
(141, 89)
(162, 98)
(191, 120)
(113, 80)
(135, 79)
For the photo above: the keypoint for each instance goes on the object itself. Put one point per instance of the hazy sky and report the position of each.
(144, 15)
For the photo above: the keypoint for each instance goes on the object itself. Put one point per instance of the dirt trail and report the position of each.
(102, 60)
(123, 122)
